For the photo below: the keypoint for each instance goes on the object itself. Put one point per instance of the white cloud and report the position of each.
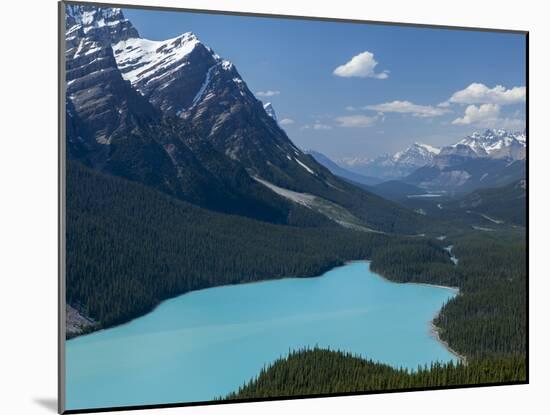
(286, 121)
(407, 107)
(362, 65)
(317, 126)
(268, 93)
(477, 93)
(476, 115)
(488, 116)
(357, 121)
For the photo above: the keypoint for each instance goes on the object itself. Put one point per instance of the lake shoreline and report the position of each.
(349, 310)
(434, 331)
(100, 328)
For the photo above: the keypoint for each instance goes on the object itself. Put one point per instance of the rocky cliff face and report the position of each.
(176, 116)
(170, 73)
(99, 100)
(184, 78)
(117, 81)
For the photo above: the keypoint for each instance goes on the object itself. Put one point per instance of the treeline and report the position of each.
(321, 371)
(130, 247)
(488, 318)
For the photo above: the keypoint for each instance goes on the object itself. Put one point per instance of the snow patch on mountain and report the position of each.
(268, 107)
(492, 141)
(91, 16)
(141, 59)
(226, 65)
(305, 167)
(416, 155)
(203, 87)
(105, 24)
(429, 148)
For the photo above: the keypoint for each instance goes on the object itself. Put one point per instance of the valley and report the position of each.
(182, 185)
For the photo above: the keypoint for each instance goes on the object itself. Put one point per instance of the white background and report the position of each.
(28, 204)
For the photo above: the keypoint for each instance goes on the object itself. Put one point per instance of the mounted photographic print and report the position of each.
(272, 207)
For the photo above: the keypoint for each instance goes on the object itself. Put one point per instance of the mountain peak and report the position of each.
(91, 16)
(226, 65)
(417, 154)
(184, 37)
(86, 14)
(105, 24)
(140, 59)
(492, 140)
(427, 147)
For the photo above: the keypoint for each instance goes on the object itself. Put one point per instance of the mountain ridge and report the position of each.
(184, 121)
(491, 143)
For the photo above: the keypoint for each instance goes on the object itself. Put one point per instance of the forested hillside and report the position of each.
(486, 323)
(180, 179)
(507, 204)
(321, 371)
(130, 247)
(489, 317)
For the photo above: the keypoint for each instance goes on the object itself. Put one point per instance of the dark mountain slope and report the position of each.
(130, 247)
(471, 174)
(175, 116)
(113, 128)
(502, 204)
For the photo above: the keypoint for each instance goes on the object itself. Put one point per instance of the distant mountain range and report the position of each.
(342, 172)
(393, 166)
(492, 158)
(468, 175)
(175, 116)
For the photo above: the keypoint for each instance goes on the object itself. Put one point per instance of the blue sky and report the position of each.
(394, 85)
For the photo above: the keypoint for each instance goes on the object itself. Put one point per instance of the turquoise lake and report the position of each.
(207, 343)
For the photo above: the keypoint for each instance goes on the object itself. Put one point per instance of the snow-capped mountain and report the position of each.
(101, 101)
(492, 143)
(105, 25)
(418, 154)
(116, 79)
(487, 159)
(496, 144)
(172, 74)
(394, 166)
(175, 116)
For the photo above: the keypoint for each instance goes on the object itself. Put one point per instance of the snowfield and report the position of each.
(141, 59)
